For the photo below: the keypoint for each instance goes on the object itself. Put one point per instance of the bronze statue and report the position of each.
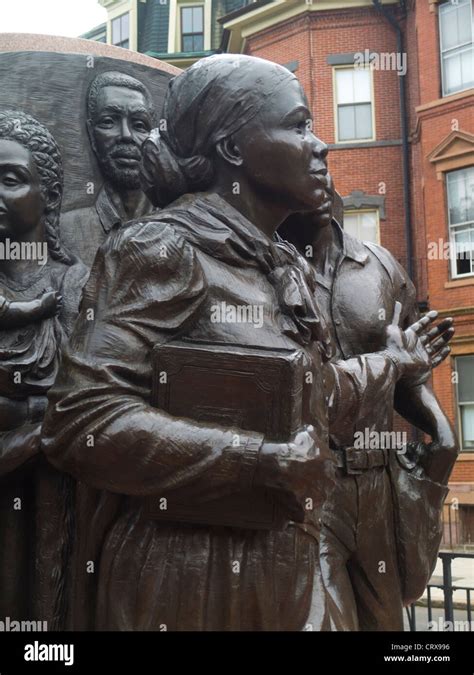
(119, 119)
(358, 286)
(234, 124)
(39, 303)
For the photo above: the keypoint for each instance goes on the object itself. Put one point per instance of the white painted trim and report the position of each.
(335, 115)
(172, 26)
(174, 30)
(119, 9)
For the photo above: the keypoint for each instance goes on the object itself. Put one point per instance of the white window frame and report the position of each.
(459, 406)
(468, 225)
(182, 6)
(117, 18)
(452, 50)
(174, 32)
(336, 105)
(359, 212)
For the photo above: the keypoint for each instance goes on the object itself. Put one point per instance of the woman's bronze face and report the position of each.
(280, 154)
(21, 201)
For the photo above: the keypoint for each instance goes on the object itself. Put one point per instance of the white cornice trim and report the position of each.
(279, 11)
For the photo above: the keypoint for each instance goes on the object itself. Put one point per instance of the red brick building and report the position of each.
(391, 87)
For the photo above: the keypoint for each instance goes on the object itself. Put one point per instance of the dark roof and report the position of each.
(167, 56)
(93, 31)
(244, 10)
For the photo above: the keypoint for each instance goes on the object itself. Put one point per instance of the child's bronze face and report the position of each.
(21, 202)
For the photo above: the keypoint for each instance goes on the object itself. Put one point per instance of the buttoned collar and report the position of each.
(108, 214)
(351, 247)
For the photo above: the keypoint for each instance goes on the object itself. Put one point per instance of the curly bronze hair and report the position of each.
(16, 125)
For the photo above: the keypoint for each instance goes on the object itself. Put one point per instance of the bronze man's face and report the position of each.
(21, 202)
(280, 153)
(322, 216)
(121, 125)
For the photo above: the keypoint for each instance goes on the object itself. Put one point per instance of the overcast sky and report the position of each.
(51, 17)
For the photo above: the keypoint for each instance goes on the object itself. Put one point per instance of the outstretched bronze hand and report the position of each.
(420, 348)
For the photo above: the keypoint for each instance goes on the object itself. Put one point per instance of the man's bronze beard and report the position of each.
(123, 178)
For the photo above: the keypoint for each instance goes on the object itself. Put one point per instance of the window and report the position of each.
(363, 225)
(121, 31)
(465, 396)
(192, 28)
(460, 189)
(354, 105)
(456, 33)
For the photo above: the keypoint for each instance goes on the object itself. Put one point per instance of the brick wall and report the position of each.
(429, 128)
(309, 39)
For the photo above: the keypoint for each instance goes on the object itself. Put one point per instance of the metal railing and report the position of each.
(448, 590)
(451, 527)
(458, 525)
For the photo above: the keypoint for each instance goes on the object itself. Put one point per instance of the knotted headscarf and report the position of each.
(207, 103)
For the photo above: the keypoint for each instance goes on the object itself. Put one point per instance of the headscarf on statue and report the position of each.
(201, 109)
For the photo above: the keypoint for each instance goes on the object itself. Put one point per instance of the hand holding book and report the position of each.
(300, 470)
(258, 389)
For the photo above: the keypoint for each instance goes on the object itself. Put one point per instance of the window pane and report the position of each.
(465, 370)
(368, 227)
(346, 123)
(464, 244)
(363, 225)
(116, 31)
(125, 44)
(456, 42)
(188, 43)
(467, 426)
(464, 23)
(187, 20)
(449, 27)
(458, 67)
(362, 85)
(467, 67)
(452, 73)
(198, 19)
(351, 224)
(198, 43)
(125, 26)
(363, 117)
(455, 24)
(345, 85)
(461, 195)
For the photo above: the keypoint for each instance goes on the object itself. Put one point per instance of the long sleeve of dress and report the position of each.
(17, 446)
(146, 287)
(360, 395)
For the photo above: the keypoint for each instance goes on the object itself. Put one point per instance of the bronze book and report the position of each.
(248, 388)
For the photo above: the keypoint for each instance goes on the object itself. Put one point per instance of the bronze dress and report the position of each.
(151, 281)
